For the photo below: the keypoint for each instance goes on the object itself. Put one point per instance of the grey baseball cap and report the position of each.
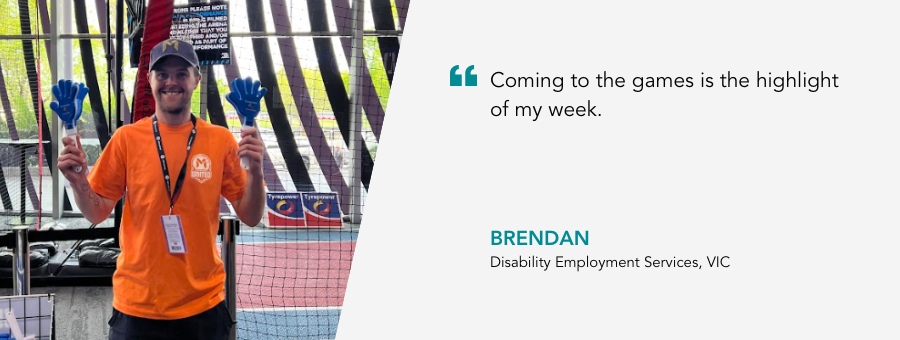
(174, 47)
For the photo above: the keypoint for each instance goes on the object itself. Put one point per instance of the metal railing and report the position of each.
(79, 36)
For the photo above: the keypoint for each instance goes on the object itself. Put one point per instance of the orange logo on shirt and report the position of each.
(200, 165)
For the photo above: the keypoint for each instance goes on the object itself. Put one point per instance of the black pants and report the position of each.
(215, 323)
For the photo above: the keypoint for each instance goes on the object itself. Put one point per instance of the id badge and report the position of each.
(174, 234)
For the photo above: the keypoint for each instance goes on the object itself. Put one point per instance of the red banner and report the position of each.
(157, 25)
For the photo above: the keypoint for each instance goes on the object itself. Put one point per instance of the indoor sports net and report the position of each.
(292, 269)
(292, 278)
(24, 173)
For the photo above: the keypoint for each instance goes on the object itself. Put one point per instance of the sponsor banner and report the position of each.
(303, 210)
(321, 210)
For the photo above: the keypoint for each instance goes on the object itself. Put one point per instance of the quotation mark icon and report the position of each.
(456, 79)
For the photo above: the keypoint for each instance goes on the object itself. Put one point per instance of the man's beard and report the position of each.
(175, 109)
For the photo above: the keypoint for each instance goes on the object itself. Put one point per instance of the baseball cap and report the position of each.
(174, 47)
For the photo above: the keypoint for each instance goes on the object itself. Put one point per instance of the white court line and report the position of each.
(288, 309)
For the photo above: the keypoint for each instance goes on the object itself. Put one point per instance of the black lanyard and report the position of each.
(173, 195)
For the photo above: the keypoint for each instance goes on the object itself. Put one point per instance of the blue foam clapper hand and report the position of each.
(69, 101)
(245, 96)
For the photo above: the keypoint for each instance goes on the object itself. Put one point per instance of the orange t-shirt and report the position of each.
(150, 282)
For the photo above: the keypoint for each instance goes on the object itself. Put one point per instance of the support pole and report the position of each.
(61, 59)
(357, 62)
(121, 101)
(204, 90)
(229, 225)
(21, 262)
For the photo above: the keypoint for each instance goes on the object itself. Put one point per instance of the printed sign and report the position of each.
(204, 25)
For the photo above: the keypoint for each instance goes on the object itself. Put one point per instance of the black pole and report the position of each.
(120, 54)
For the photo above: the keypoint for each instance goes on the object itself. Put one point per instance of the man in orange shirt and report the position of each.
(172, 170)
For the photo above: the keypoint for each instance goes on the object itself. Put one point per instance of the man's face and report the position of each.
(173, 81)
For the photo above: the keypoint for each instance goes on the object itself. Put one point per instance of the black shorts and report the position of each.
(215, 323)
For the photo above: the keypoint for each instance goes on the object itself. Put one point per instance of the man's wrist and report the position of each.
(254, 174)
(81, 184)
